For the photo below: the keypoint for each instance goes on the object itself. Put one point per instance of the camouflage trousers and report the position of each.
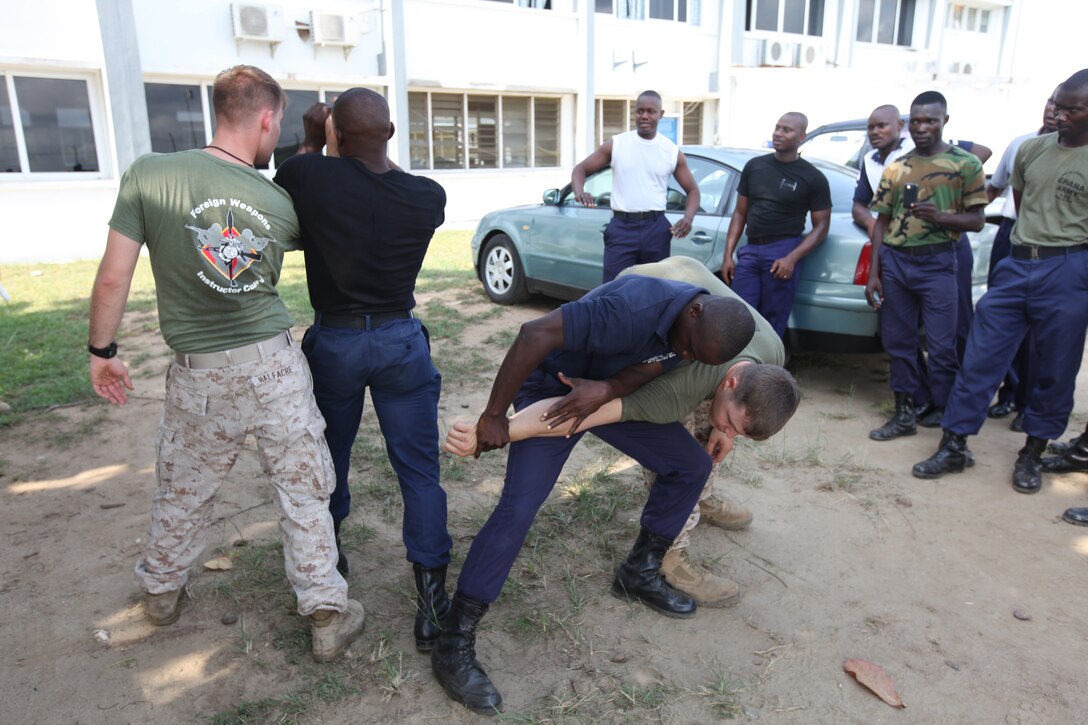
(207, 416)
(698, 424)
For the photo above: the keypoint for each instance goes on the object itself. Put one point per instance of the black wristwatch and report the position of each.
(103, 352)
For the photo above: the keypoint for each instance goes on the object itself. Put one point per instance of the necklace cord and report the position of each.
(228, 153)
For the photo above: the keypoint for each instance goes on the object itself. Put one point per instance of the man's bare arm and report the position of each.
(972, 220)
(732, 237)
(686, 180)
(528, 423)
(535, 340)
(821, 222)
(862, 216)
(594, 162)
(109, 378)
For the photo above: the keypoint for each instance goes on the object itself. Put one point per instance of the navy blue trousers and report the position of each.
(752, 280)
(1017, 383)
(1043, 300)
(965, 311)
(533, 466)
(394, 361)
(919, 287)
(635, 242)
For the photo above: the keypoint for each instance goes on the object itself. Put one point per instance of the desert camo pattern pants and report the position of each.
(207, 416)
(698, 424)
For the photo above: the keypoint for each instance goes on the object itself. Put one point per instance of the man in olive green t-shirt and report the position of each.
(750, 395)
(216, 230)
(1039, 292)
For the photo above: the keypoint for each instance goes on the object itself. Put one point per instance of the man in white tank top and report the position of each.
(642, 162)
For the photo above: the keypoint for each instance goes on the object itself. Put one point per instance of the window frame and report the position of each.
(500, 132)
(875, 25)
(806, 20)
(96, 109)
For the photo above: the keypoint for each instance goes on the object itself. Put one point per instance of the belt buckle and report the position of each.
(1035, 251)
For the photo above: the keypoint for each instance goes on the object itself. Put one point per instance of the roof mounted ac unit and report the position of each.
(258, 23)
(778, 53)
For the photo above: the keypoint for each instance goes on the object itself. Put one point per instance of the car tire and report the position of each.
(502, 273)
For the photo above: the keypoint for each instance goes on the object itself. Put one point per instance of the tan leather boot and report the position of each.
(708, 590)
(724, 514)
(163, 609)
(333, 631)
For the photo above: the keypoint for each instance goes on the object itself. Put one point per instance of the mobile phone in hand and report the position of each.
(910, 194)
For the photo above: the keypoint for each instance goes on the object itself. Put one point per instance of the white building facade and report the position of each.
(495, 100)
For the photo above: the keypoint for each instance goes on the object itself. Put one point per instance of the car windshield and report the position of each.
(839, 147)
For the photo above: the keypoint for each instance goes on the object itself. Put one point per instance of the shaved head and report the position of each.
(361, 112)
(799, 118)
(887, 111)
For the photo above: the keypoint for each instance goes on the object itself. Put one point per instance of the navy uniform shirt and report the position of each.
(619, 324)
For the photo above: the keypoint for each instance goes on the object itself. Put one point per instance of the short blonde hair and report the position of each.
(244, 91)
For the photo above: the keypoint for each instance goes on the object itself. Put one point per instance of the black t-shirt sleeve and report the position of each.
(819, 198)
(745, 173)
(289, 175)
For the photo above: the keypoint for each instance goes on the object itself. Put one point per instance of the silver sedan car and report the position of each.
(556, 248)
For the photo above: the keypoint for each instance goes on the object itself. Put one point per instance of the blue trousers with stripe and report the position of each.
(920, 287)
(533, 466)
(1044, 301)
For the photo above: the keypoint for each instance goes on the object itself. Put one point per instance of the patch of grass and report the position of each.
(256, 580)
(651, 697)
(722, 691)
(453, 468)
(462, 365)
(289, 709)
(885, 408)
(44, 330)
(502, 338)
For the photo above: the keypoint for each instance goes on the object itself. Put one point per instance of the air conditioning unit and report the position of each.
(778, 53)
(334, 29)
(262, 23)
(811, 55)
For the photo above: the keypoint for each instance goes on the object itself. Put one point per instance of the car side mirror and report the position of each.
(551, 197)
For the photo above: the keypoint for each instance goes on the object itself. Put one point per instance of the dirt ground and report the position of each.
(849, 557)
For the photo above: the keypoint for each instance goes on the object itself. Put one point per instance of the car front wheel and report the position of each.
(503, 276)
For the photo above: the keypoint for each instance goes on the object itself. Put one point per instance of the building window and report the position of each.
(515, 132)
(458, 131)
(889, 22)
(9, 152)
(540, 4)
(801, 17)
(46, 125)
(975, 20)
(175, 116)
(684, 11)
(419, 140)
(483, 136)
(291, 130)
(693, 124)
(614, 117)
(546, 131)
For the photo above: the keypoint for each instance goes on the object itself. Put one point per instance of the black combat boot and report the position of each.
(903, 423)
(341, 559)
(453, 659)
(639, 578)
(1027, 473)
(432, 605)
(1073, 456)
(951, 457)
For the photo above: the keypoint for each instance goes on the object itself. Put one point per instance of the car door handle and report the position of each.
(701, 238)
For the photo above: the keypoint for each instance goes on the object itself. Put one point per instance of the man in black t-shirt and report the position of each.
(775, 194)
(366, 226)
